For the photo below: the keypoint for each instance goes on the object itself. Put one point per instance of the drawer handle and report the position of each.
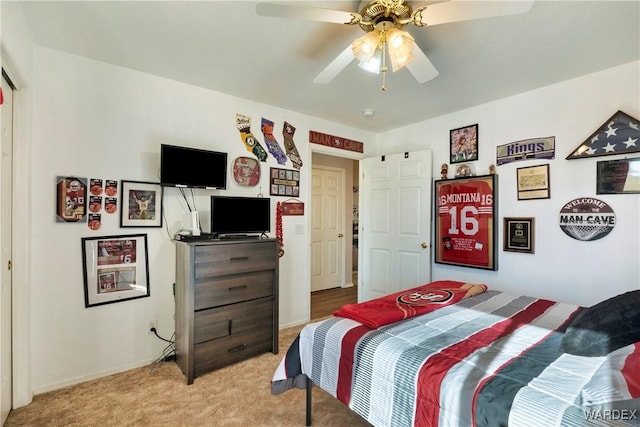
(239, 258)
(237, 288)
(237, 348)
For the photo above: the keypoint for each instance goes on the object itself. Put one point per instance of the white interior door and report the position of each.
(6, 141)
(327, 228)
(395, 223)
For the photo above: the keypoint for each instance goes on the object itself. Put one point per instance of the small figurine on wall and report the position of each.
(492, 169)
(444, 170)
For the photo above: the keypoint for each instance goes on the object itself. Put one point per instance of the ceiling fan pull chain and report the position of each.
(383, 68)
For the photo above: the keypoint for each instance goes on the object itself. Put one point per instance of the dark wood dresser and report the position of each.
(226, 296)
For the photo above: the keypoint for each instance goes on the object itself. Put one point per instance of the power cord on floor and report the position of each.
(168, 353)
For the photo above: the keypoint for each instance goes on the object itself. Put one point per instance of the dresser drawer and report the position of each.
(224, 351)
(223, 290)
(214, 260)
(232, 319)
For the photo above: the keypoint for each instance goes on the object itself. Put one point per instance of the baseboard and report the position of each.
(78, 380)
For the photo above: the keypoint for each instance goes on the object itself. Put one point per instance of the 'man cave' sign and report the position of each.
(587, 219)
(335, 141)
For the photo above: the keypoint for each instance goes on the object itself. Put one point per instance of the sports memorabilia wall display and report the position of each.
(71, 200)
(464, 144)
(466, 222)
(116, 268)
(285, 182)
(288, 130)
(243, 123)
(465, 169)
(526, 149)
(586, 219)
(272, 145)
(335, 141)
(246, 171)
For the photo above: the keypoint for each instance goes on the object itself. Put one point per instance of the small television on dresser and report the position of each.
(233, 216)
(192, 167)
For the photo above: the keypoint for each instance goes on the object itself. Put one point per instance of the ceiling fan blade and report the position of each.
(454, 11)
(307, 13)
(334, 68)
(421, 68)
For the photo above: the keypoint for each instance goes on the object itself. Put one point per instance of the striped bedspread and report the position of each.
(490, 360)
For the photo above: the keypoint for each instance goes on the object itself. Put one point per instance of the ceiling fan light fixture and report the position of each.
(399, 61)
(400, 44)
(365, 47)
(373, 64)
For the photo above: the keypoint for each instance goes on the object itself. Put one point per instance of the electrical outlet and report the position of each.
(152, 324)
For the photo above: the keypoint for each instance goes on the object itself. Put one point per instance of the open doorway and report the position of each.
(334, 264)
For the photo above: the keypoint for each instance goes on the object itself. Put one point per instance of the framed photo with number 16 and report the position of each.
(466, 218)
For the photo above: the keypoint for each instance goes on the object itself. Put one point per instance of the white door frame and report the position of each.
(6, 331)
(334, 152)
(20, 248)
(341, 265)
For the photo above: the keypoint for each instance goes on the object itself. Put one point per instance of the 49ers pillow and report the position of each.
(607, 326)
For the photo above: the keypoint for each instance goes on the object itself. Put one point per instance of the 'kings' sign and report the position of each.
(537, 148)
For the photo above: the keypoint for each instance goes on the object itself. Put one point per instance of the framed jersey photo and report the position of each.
(466, 221)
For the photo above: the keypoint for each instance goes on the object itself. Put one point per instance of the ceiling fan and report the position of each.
(383, 22)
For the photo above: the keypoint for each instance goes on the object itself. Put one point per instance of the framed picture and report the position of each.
(71, 199)
(518, 235)
(618, 176)
(141, 204)
(116, 268)
(533, 182)
(284, 182)
(464, 144)
(466, 222)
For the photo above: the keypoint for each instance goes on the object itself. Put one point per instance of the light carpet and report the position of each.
(237, 395)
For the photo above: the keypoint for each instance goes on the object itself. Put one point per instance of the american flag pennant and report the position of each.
(618, 135)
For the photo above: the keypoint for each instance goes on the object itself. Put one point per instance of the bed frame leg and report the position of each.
(309, 386)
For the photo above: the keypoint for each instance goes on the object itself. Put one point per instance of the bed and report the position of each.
(483, 358)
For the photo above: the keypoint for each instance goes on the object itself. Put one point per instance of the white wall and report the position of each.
(562, 268)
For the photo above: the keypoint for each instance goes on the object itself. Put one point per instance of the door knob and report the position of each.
(424, 245)
(340, 235)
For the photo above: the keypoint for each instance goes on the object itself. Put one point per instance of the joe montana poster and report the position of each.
(466, 222)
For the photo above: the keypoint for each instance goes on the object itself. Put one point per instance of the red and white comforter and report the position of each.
(489, 360)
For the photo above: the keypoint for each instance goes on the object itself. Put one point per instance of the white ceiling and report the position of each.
(225, 46)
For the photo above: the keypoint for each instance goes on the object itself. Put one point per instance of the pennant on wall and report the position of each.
(243, 123)
(270, 140)
(618, 135)
(292, 152)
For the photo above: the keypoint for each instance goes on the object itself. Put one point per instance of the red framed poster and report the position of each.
(466, 222)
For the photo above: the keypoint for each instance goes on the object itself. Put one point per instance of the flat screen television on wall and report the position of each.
(192, 167)
(239, 216)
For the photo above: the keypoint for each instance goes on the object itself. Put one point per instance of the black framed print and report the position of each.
(464, 144)
(618, 176)
(116, 268)
(141, 204)
(533, 182)
(519, 235)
